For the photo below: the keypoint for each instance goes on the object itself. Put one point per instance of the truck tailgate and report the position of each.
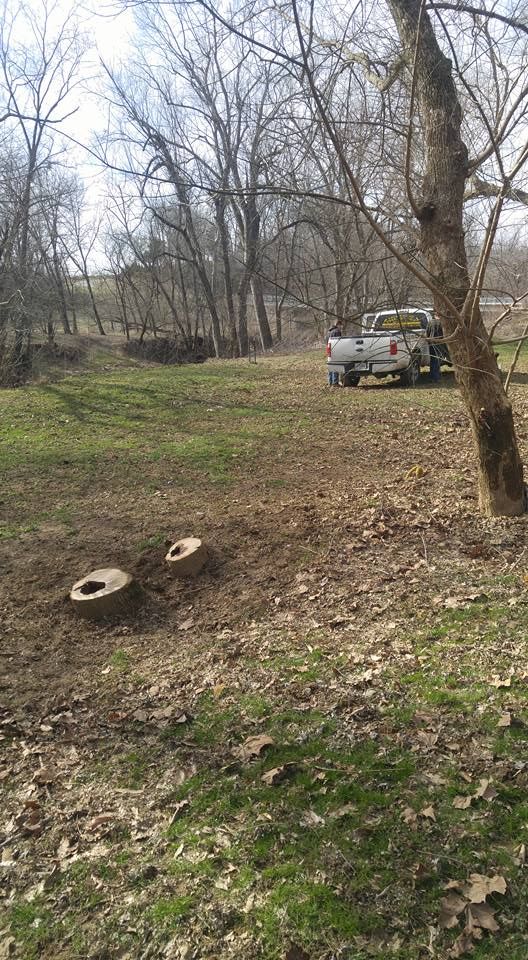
(369, 348)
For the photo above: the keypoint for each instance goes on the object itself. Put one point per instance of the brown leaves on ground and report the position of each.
(101, 820)
(450, 909)
(410, 816)
(357, 562)
(45, 775)
(253, 747)
(485, 791)
(470, 899)
(278, 774)
(161, 716)
(480, 887)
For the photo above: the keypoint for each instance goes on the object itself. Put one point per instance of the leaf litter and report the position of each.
(117, 747)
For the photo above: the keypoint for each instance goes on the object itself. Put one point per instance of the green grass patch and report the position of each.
(182, 426)
(168, 913)
(120, 661)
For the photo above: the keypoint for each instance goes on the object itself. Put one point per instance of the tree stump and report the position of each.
(186, 557)
(105, 593)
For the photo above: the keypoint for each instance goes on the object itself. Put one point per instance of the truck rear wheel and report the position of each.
(350, 379)
(410, 376)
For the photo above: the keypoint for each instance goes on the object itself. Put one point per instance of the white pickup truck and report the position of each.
(394, 344)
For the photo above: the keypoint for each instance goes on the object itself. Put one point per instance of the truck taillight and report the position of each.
(328, 350)
(393, 348)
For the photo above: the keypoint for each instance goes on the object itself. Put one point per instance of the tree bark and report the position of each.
(251, 240)
(97, 316)
(243, 339)
(220, 205)
(440, 214)
(266, 337)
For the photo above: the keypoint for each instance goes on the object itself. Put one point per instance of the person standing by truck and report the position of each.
(335, 332)
(434, 333)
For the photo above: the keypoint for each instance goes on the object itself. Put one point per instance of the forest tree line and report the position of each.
(227, 209)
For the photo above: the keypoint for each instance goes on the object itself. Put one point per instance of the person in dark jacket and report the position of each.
(335, 331)
(435, 332)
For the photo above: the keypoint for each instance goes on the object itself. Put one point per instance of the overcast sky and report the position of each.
(109, 31)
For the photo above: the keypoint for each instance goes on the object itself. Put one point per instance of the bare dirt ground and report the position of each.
(340, 532)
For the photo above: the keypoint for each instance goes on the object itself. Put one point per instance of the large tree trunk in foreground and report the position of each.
(440, 213)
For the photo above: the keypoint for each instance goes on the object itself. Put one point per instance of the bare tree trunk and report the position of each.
(251, 238)
(220, 205)
(97, 315)
(63, 306)
(261, 313)
(71, 294)
(243, 340)
(192, 240)
(440, 214)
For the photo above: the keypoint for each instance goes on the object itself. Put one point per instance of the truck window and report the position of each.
(403, 321)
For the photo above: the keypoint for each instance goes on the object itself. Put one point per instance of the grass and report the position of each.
(338, 874)
(178, 425)
(120, 661)
(323, 859)
(338, 856)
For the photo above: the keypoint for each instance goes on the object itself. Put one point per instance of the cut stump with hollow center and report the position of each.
(186, 557)
(104, 593)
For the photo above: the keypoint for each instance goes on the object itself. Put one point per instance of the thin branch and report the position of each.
(479, 12)
(515, 359)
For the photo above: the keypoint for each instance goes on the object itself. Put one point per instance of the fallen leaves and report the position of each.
(415, 473)
(456, 603)
(45, 776)
(311, 819)
(29, 821)
(462, 945)
(410, 816)
(253, 747)
(470, 899)
(480, 887)
(450, 909)
(485, 791)
(481, 915)
(278, 774)
(101, 820)
(161, 716)
(499, 682)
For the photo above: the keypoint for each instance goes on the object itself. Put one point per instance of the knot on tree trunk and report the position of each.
(426, 211)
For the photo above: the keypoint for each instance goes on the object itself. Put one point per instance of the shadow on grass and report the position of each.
(446, 382)
(141, 402)
(82, 404)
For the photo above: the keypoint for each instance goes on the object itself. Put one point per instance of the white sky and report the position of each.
(107, 31)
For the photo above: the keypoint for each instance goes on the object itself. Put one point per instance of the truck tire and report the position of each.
(350, 379)
(410, 376)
